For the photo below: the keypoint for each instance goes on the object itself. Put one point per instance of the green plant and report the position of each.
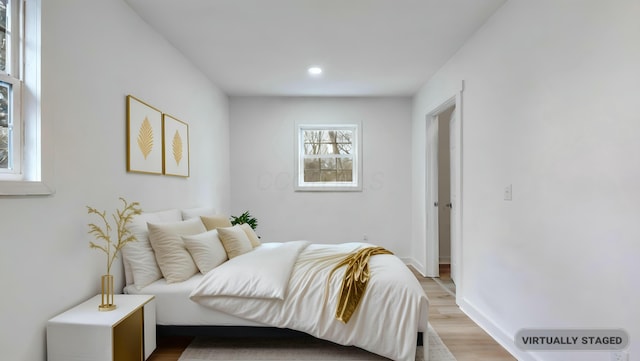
(245, 218)
(121, 218)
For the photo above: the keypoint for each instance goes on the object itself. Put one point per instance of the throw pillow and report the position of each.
(217, 221)
(206, 249)
(140, 264)
(174, 260)
(251, 234)
(234, 240)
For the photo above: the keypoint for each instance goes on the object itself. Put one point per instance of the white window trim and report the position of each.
(301, 186)
(37, 151)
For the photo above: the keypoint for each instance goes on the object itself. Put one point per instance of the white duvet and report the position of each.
(283, 285)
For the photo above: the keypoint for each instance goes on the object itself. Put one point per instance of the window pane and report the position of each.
(344, 164)
(326, 148)
(310, 149)
(328, 163)
(311, 176)
(4, 126)
(4, 147)
(312, 141)
(345, 176)
(345, 136)
(327, 142)
(328, 176)
(312, 164)
(3, 34)
(344, 148)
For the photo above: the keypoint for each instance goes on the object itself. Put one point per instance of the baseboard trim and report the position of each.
(409, 261)
(495, 331)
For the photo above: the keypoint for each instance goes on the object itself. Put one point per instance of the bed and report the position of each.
(276, 285)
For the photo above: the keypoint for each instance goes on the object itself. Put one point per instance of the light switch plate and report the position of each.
(508, 193)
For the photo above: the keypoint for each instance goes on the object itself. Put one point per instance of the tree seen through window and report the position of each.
(328, 155)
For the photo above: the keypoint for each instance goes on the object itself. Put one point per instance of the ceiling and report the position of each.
(365, 47)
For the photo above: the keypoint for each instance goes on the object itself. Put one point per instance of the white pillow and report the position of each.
(251, 234)
(234, 240)
(206, 249)
(174, 260)
(139, 260)
(197, 212)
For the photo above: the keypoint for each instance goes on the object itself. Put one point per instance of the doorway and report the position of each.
(443, 189)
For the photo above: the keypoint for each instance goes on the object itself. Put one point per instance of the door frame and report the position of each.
(432, 260)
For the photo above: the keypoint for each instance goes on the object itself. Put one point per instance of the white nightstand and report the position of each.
(84, 333)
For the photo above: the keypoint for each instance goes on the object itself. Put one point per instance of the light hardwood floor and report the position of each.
(465, 340)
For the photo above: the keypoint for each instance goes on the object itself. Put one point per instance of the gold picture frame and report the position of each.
(176, 146)
(144, 137)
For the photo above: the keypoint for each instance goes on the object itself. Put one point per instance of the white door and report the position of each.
(432, 233)
(453, 179)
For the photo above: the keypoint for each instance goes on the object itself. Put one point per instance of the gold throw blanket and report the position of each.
(355, 280)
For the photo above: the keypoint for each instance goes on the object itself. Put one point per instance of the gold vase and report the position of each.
(107, 294)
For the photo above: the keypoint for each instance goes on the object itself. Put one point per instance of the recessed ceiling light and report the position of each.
(314, 70)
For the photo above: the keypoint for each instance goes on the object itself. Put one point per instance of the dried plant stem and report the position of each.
(121, 219)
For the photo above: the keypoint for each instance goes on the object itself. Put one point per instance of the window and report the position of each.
(24, 169)
(9, 89)
(328, 158)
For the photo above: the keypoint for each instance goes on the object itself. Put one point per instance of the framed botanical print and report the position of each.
(176, 146)
(144, 137)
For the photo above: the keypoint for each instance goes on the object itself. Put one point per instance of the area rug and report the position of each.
(304, 348)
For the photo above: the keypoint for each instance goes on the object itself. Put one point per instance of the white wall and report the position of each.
(95, 52)
(262, 169)
(551, 106)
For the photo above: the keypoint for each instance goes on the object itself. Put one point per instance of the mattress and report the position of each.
(174, 308)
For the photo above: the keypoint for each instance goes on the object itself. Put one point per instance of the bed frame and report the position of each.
(238, 332)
